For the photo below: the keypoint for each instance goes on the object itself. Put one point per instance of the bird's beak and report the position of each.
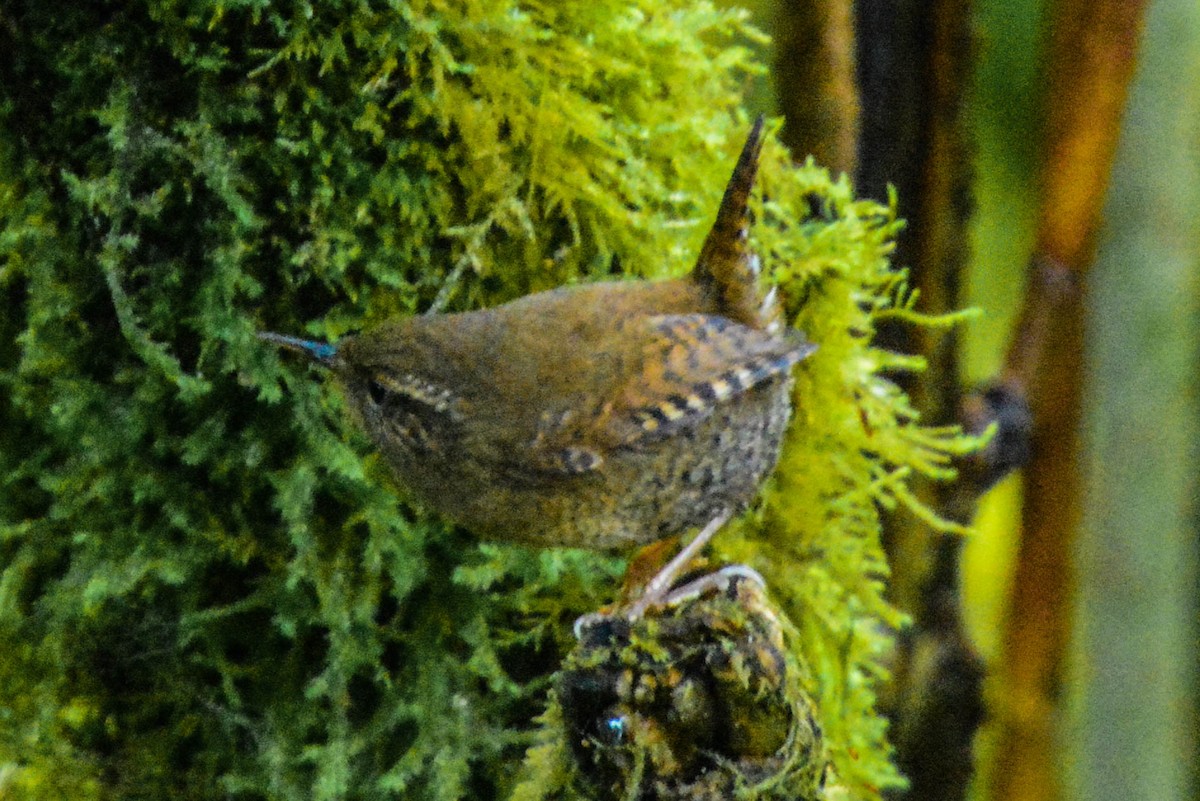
(320, 352)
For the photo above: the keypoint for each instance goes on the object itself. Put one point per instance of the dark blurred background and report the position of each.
(1047, 158)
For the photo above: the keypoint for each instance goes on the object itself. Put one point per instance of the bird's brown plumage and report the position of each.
(595, 416)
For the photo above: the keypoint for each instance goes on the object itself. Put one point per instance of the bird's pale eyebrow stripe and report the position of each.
(437, 398)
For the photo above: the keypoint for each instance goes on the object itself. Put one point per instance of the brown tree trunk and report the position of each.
(1091, 60)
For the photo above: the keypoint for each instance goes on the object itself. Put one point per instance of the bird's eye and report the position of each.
(376, 392)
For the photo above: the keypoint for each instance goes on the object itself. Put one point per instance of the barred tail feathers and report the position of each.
(727, 269)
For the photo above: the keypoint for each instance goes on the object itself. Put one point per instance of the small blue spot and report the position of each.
(321, 350)
(616, 729)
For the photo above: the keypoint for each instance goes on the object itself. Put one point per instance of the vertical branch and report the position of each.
(914, 59)
(915, 62)
(814, 76)
(1091, 61)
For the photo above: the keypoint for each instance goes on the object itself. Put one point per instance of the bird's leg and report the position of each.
(658, 587)
(644, 565)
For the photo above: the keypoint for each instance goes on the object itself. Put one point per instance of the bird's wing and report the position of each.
(685, 367)
(691, 364)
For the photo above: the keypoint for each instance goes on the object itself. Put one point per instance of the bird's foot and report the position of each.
(718, 581)
(660, 590)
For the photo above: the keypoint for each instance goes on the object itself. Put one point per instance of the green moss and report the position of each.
(210, 592)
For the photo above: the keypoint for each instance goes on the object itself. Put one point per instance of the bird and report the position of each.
(605, 415)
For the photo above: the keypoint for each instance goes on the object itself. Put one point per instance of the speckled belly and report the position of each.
(647, 494)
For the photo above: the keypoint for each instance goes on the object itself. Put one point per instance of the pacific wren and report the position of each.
(597, 416)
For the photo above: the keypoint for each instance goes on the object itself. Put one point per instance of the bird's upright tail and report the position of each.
(727, 269)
